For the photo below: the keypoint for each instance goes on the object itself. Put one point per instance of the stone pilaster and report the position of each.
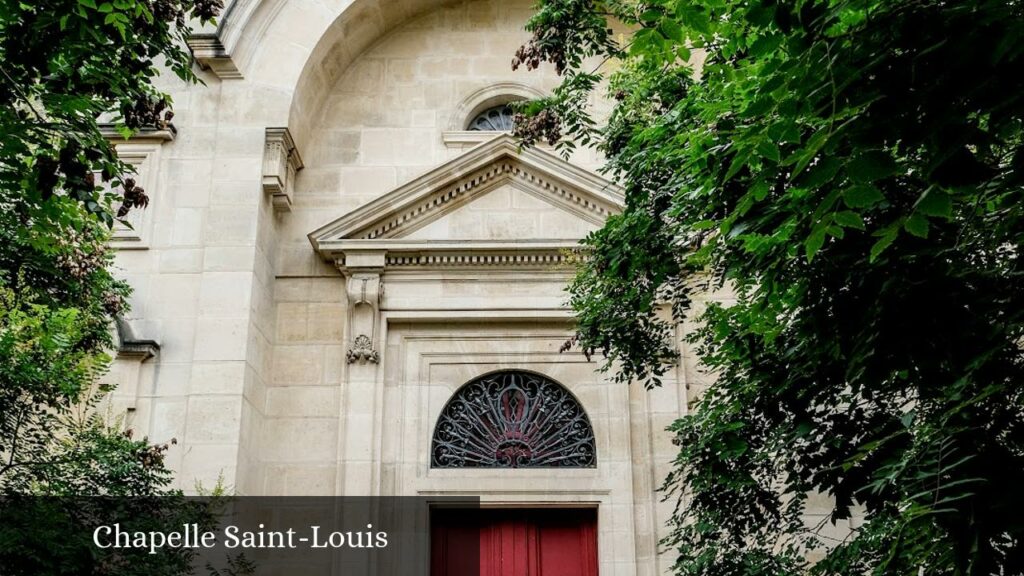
(363, 386)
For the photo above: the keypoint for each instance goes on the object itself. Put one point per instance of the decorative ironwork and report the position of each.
(496, 119)
(513, 420)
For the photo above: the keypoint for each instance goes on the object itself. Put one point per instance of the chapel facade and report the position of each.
(350, 280)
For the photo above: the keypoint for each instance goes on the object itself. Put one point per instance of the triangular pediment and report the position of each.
(504, 212)
(495, 195)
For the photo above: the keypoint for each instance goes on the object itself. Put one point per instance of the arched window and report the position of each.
(495, 118)
(513, 419)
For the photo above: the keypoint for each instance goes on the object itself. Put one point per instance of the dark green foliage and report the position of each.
(67, 63)
(853, 171)
(95, 474)
(64, 65)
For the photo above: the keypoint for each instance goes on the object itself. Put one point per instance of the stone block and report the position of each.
(217, 377)
(168, 420)
(231, 226)
(326, 322)
(228, 258)
(298, 365)
(213, 419)
(371, 182)
(221, 338)
(292, 321)
(225, 293)
(188, 227)
(188, 182)
(303, 402)
(179, 261)
(173, 296)
(300, 440)
(203, 464)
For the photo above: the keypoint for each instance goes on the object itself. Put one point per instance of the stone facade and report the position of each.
(330, 254)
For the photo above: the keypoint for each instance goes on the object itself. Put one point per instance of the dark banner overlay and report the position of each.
(234, 536)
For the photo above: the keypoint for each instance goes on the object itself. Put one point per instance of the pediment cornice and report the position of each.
(381, 226)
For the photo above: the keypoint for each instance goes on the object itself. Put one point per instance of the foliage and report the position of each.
(94, 473)
(67, 65)
(851, 172)
(52, 342)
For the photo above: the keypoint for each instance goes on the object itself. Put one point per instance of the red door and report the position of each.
(541, 542)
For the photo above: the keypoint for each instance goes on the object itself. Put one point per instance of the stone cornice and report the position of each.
(357, 255)
(109, 131)
(496, 162)
(378, 231)
(465, 137)
(211, 55)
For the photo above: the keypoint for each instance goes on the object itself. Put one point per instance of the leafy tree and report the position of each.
(67, 65)
(852, 171)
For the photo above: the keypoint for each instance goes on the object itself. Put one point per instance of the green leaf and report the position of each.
(917, 225)
(765, 44)
(862, 196)
(671, 30)
(769, 150)
(759, 107)
(935, 202)
(760, 190)
(691, 17)
(737, 164)
(849, 219)
(760, 14)
(887, 236)
(822, 172)
(650, 16)
(815, 241)
(804, 157)
(871, 166)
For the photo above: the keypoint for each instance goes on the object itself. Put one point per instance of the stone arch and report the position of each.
(292, 52)
(513, 419)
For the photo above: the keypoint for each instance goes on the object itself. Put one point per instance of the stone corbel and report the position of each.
(211, 55)
(128, 346)
(281, 161)
(364, 293)
(134, 351)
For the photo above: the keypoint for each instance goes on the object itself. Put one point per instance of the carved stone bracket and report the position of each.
(281, 161)
(211, 55)
(128, 346)
(364, 294)
(134, 351)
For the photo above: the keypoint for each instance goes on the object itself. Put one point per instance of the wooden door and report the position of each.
(500, 542)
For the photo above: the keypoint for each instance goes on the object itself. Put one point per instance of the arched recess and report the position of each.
(298, 49)
(513, 419)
